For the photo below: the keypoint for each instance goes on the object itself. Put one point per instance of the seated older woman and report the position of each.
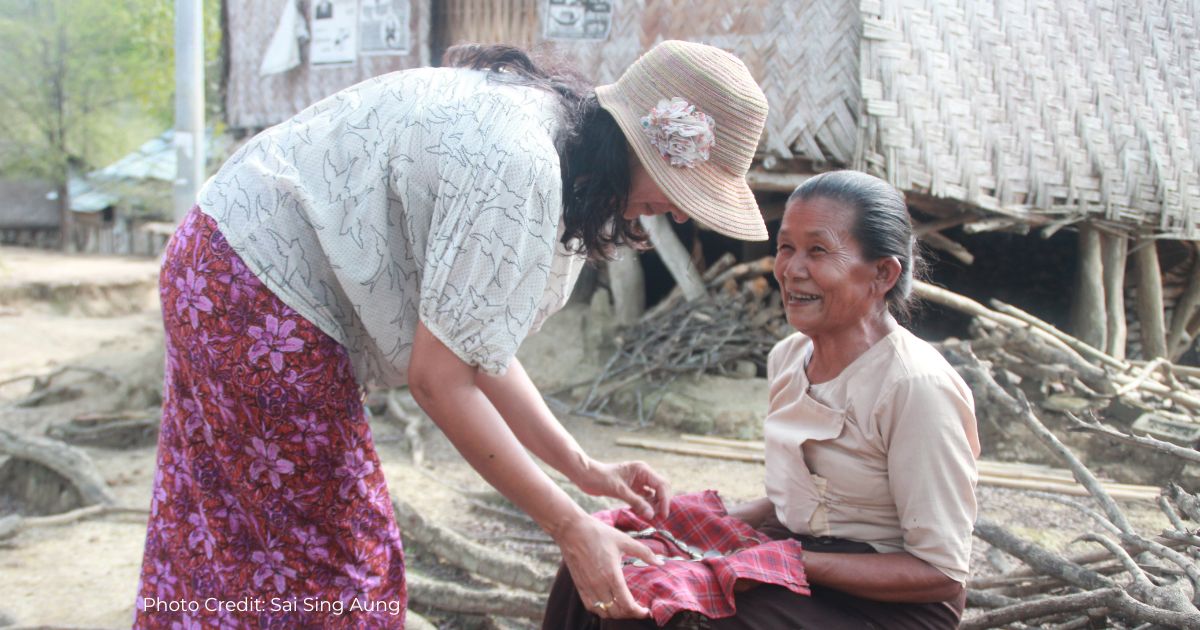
(871, 437)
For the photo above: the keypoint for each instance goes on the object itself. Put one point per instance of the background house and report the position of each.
(28, 215)
(123, 208)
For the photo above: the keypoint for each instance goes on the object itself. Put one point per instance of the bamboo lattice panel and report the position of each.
(804, 54)
(1038, 106)
(512, 22)
(252, 101)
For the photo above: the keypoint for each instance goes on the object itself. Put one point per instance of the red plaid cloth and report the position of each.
(706, 586)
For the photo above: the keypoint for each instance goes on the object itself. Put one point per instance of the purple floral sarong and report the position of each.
(270, 509)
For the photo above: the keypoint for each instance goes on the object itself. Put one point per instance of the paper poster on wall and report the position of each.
(334, 32)
(578, 19)
(383, 27)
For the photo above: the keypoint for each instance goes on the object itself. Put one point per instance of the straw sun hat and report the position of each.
(693, 115)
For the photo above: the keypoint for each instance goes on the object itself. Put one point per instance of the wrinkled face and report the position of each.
(645, 197)
(827, 286)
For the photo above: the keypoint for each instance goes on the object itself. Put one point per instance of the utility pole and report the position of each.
(189, 104)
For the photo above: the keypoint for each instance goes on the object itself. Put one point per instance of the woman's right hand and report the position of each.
(593, 552)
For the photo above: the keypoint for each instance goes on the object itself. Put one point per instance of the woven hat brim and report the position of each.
(707, 193)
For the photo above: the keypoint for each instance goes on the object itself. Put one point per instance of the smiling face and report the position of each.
(645, 197)
(828, 287)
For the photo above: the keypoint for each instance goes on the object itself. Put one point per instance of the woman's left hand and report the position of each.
(632, 482)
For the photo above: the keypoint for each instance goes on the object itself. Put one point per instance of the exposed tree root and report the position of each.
(456, 549)
(440, 595)
(71, 463)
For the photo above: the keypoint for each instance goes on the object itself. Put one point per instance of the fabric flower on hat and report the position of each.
(680, 132)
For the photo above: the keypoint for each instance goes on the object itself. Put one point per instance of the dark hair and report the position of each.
(592, 151)
(882, 226)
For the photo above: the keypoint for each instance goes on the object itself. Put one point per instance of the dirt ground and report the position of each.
(102, 313)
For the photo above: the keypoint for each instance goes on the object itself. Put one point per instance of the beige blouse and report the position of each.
(883, 454)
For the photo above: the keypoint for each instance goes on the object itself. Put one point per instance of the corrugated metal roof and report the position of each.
(86, 199)
(153, 161)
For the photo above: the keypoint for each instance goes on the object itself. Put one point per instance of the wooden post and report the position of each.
(1114, 251)
(628, 284)
(189, 104)
(674, 255)
(1185, 310)
(940, 241)
(1150, 299)
(1088, 321)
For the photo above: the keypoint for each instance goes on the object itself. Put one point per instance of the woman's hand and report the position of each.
(592, 552)
(632, 482)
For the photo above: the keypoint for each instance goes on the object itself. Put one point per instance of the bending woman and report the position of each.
(413, 228)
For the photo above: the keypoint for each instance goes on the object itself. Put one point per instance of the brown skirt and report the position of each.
(769, 607)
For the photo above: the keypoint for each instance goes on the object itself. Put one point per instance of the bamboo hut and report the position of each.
(254, 99)
(991, 115)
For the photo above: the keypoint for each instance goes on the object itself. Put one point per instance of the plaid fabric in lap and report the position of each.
(705, 586)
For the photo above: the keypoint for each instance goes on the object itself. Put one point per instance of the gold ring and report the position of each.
(601, 606)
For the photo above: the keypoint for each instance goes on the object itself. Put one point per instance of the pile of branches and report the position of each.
(1020, 347)
(1132, 579)
(732, 327)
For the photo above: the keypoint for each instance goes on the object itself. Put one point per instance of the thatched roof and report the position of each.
(1025, 109)
(1057, 107)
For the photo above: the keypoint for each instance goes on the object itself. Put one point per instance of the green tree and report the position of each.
(83, 81)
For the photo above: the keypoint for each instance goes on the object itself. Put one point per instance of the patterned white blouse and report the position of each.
(431, 194)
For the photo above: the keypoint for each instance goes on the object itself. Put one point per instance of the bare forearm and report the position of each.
(519, 402)
(445, 388)
(470, 422)
(530, 420)
(887, 577)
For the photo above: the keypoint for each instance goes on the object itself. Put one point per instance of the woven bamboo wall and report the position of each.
(804, 53)
(512, 22)
(252, 101)
(1066, 107)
